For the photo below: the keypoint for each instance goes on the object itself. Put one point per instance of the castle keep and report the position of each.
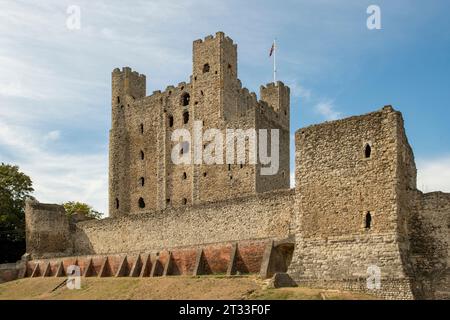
(355, 207)
(142, 174)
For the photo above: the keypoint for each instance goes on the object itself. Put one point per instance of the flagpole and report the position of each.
(274, 61)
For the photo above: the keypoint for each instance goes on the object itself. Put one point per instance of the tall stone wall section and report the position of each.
(347, 170)
(429, 239)
(264, 216)
(47, 230)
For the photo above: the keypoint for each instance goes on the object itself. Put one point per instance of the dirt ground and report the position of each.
(164, 288)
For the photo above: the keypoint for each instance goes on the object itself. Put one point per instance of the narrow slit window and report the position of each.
(142, 128)
(117, 203)
(185, 117)
(170, 121)
(142, 181)
(184, 201)
(142, 155)
(185, 98)
(368, 221)
(141, 203)
(367, 151)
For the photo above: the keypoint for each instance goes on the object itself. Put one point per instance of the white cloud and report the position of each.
(52, 135)
(57, 177)
(326, 109)
(299, 91)
(434, 174)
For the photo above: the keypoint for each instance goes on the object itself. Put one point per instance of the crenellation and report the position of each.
(169, 89)
(181, 85)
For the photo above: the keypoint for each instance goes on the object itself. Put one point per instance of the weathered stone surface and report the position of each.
(47, 230)
(281, 280)
(267, 215)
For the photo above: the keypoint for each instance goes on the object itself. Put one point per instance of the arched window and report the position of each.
(170, 121)
(367, 151)
(142, 155)
(185, 98)
(141, 203)
(368, 220)
(185, 117)
(142, 181)
(117, 203)
(206, 68)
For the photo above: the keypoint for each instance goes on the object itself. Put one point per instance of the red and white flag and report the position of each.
(272, 49)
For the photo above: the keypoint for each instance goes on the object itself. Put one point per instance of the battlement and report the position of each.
(218, 36)
(278, 84)
(275, 102)
(128, 72)
(127, 82)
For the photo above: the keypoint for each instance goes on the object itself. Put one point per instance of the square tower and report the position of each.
(143, 175)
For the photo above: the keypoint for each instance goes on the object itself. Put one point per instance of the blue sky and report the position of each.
(55, 82)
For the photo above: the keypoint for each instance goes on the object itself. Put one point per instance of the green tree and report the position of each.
(15, 187)
(80, 207)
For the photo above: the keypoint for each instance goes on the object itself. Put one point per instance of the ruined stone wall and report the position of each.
(8, 272)
(338, 185)
(262, 216)
(429, 240)
(47, 230)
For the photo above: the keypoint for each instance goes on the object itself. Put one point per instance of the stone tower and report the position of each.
(354, 178)
(143, 175)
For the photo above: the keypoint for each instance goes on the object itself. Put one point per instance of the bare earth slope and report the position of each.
(179, 287)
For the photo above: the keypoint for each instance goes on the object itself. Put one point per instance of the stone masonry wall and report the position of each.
(430, 246)
(263, 216)
(47, 230)
(8, 272)
(347, 203)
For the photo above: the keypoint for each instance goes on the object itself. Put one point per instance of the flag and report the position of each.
(272, 49)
